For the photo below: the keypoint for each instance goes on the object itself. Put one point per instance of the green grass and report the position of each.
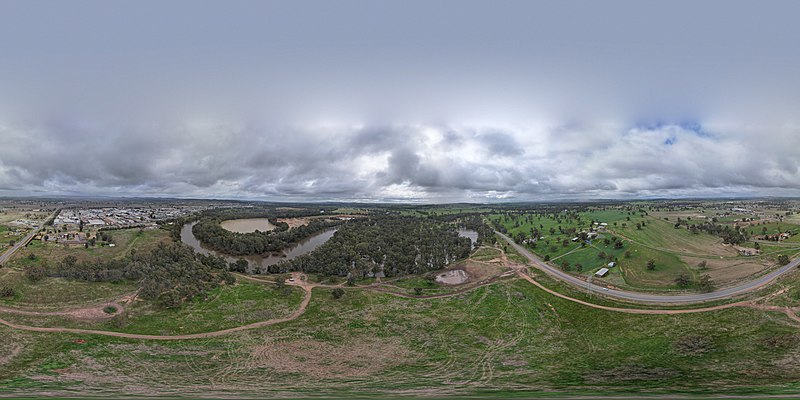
(508, 338)
(125, 240)
(226, 307)
(58, 292)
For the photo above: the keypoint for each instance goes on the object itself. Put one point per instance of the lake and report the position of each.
(247, 225)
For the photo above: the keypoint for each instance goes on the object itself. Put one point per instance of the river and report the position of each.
(258, 263)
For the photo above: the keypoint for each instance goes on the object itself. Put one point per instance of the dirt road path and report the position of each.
(293, 316)
(300, 281)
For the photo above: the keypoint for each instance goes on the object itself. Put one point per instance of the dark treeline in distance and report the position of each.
(392, 245)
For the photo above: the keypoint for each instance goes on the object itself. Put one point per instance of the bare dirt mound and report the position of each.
(452, 277)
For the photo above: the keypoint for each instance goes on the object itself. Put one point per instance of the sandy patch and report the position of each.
(294, 222)
(360, 358)
(452, 277)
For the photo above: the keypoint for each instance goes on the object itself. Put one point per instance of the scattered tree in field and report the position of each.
(618, 244)
(565, 266)
(651, 265)
(227, 277)
(705, 284)
(239, 266)
(35, 273)
(337, 293)
(6, 292)
(31, 256)
(547, 257)
(627, 254)
(683, 280)
(418, 291)
(783, 259)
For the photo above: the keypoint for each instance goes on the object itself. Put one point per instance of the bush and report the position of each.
(337, 293)
(706, 284)
(783, 259)
(6, 292)
(693, 345)
(683, 280)
(418, 291)
(110, 310)
(35, 273)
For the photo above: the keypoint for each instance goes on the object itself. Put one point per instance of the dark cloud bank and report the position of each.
(405, 101)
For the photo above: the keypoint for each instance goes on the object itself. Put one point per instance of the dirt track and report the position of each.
(297, 313)
(300, 281)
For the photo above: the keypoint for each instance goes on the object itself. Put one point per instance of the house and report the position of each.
(601, 272)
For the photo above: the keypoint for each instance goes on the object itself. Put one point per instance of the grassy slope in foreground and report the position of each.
(504, 338)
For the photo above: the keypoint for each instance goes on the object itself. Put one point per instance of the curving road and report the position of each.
(652, 298)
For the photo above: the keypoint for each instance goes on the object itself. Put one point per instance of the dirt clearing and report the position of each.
(294, 222)
(452, 277)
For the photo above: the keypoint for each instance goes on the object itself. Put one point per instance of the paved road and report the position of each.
(21, 243)
(653, 298)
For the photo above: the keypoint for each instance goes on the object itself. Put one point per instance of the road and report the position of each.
(22, 243)
(653, 298)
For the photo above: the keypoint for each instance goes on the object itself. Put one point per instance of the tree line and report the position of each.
(170, 274)
(392, 245)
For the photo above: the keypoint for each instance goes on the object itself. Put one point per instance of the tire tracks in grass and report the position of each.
(520, 272)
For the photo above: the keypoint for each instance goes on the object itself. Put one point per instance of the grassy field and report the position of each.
(508, 338)
(674, 251)
(124, 239)
(58, 292)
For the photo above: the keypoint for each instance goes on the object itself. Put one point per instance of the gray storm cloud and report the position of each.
(425, 101)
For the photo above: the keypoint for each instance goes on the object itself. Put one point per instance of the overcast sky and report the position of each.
(430, 101)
